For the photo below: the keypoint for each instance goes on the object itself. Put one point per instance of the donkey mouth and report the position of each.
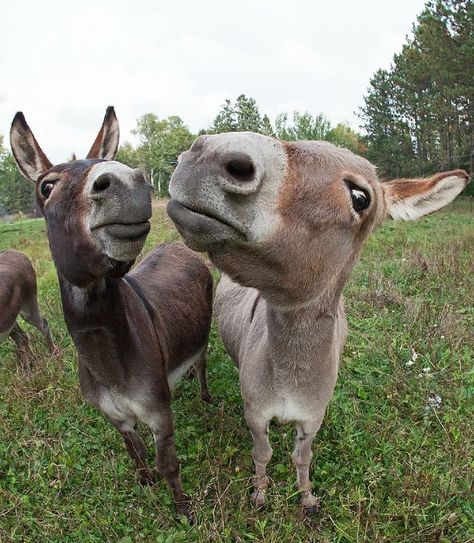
(126, 231)
(199, 226)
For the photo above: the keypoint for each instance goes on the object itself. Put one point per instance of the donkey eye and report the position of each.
(360, 199)
(47, 188)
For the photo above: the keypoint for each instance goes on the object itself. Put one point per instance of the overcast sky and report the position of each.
(62, 63)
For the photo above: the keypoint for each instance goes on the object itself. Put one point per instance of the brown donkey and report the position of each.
(286, 223)
(18, 297)
(136, 332)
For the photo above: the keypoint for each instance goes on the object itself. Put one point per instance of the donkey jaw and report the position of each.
(200, 230)
(122, 242)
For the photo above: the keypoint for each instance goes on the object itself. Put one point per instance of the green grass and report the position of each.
(387, 465)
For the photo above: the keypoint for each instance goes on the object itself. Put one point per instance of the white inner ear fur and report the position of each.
(414, 207)
(32, 170)
(108, 148)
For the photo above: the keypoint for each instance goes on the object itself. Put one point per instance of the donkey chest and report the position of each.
(287, 408)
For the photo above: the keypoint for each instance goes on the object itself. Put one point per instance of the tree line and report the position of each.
(417, 117)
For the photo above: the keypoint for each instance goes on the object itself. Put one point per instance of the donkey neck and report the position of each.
(110, 326)
(305, 338)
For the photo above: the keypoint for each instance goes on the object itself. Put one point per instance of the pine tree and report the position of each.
(419, 115)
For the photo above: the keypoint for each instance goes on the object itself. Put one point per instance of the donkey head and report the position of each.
(97, 210)
(290, 218)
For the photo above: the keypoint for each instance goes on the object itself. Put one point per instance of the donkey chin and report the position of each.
(202, 231)
(121, 241)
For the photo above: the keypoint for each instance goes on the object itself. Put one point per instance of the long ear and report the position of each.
(29, 156)
(409, 199)
(106, 143)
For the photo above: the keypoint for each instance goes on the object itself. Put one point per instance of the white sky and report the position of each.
(63, 62)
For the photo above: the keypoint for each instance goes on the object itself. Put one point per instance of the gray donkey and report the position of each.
(136, 332)
(286, 223)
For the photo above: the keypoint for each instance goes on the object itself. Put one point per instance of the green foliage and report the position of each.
(342, 135)
(241, 116)
(390, 464)
(16, 193)
(305, 126)
(419, 115)
(161, 142)
(244, 115)
(128, 155)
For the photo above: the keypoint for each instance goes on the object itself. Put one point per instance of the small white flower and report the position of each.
(435, 325)
(434, 401)
(426, 370)
(414, 356)
(442, 337)
(404, 259)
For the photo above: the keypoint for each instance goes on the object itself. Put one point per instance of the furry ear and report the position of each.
(106, 143)
(29, 156)
(409, 199)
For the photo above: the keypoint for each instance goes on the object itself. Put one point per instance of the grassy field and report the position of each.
(393, 461)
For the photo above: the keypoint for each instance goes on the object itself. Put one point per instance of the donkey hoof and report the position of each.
(206, 398)
(310, 505)
(311, 511)
(146, 478)
(26, 365)
(55, 350)
(259, 499)
(184, 509)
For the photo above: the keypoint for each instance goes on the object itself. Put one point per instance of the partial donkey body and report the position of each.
(286, 222)
(136, 332)
(18, 296)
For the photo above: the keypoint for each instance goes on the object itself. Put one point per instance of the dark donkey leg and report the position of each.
(31, 313)
(136, 449)
(200, 368)
(21, 340)
(125, 425)
(167, 462)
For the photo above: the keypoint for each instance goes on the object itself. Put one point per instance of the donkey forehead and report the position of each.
(75, 169)
(330, 159)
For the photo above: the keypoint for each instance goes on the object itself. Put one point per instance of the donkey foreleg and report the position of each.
(167, 462)
(302, 456)
(261, 454)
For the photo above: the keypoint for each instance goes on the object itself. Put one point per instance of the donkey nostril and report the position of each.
(101, 184)
(241, 168)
